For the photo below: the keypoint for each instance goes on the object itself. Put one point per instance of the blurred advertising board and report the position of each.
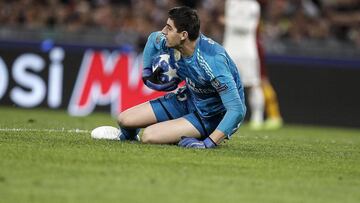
(310, 89)
(79, 81)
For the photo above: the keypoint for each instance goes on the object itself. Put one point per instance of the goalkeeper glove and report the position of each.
(147, 79)
(190, 142)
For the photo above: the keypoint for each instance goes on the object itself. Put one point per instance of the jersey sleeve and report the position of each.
(154, 45)
(225, 85)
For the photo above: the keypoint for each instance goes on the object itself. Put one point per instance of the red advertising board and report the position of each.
(78, 82)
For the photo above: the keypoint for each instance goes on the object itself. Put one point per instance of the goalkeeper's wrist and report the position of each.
(209, 143)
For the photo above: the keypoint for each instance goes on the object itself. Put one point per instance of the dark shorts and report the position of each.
(177, 105)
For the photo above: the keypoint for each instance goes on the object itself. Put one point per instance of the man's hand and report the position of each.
(148, 74)
(190, 142)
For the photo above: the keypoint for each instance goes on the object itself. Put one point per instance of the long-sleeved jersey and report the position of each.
(211, 78)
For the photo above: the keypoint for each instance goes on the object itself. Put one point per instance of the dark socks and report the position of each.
(129, 133)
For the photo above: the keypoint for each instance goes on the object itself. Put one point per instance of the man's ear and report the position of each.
(184, 35)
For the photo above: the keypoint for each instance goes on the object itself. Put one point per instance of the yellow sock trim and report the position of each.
(271, 102)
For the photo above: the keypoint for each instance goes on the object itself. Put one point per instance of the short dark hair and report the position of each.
(186, 19)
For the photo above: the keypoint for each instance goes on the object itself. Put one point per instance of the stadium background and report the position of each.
(312, 53)
(48, 47)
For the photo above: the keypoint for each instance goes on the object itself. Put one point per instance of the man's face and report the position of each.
(173, 38)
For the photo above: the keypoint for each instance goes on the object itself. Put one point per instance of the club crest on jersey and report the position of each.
(158, 38)
(218, 85)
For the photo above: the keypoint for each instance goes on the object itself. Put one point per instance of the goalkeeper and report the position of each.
(209, 108)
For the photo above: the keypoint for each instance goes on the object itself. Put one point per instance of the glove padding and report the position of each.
(190, 142)
(147, 75)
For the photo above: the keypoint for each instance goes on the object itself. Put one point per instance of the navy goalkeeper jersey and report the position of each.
(211, 76)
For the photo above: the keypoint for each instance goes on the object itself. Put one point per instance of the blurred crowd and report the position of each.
(300, 20)
(293, 20)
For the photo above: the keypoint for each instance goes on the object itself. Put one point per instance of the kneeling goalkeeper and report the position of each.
(209, 108)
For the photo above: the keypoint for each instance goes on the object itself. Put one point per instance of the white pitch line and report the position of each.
(43, 130)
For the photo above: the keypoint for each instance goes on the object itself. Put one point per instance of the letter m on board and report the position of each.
(108, 79)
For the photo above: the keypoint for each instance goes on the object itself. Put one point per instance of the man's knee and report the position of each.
(148, 136)
(124, 120)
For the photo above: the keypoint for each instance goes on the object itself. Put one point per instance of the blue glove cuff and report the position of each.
(162, 87)
(209, 143)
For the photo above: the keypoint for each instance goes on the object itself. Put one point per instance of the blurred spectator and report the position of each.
(314, 19)
(344, 17)
(294, 20)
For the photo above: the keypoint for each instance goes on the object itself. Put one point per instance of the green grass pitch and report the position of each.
(44, 159)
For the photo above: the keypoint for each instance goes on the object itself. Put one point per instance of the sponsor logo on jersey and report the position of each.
(199, 90)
